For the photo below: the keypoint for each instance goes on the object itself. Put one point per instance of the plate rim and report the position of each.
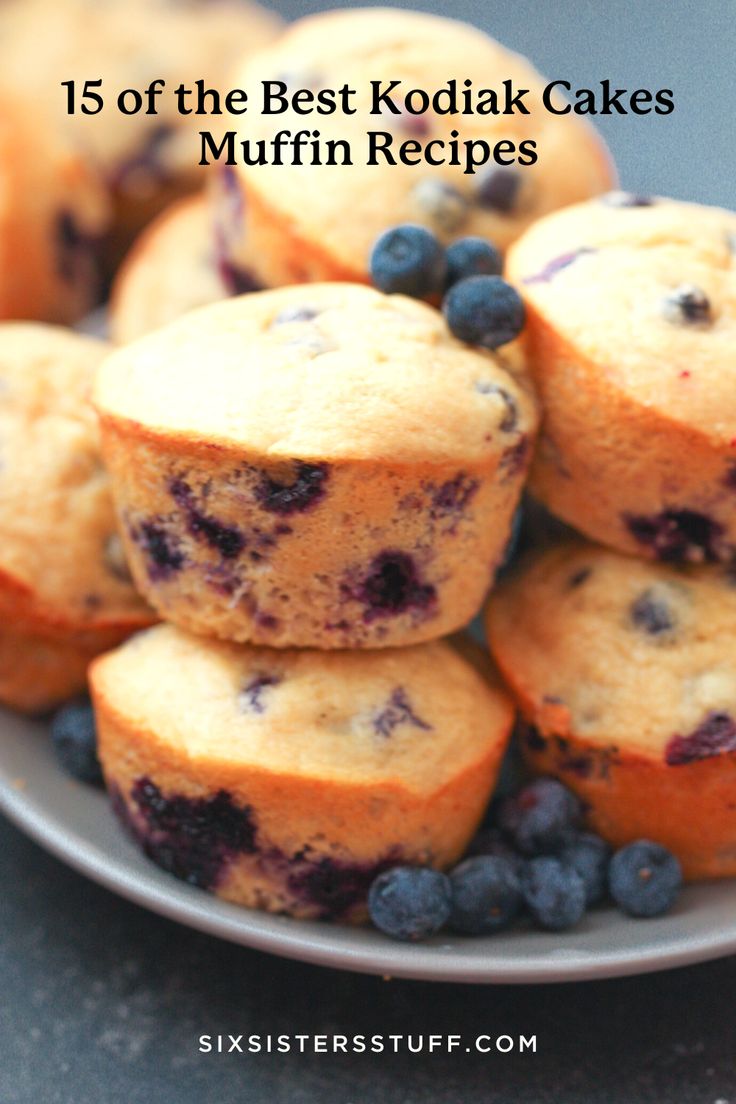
(302, 940)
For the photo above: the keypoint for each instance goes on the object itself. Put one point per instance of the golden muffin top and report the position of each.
(643, 290)
(410, 716)
(321, 371)
(620, 651)
(342, 208)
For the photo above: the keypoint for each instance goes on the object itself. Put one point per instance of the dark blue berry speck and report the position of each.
(393, 586)
(484, 310)
(193, 838)
(678, 536)
(74, 739)
(334, 887)
(498, 189)
(472, 257)
(589, 856)
(651, 614)
(161, 549)
(410, 902)
(715, 735)
(554, 893)
(486, 895)
(408, 260)
(541, 818)
(644, 879)
(687, 304)
(305, 491)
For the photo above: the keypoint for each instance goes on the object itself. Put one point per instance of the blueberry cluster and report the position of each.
(535, 859)
(479, 306)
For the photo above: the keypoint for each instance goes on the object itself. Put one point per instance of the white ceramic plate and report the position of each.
(74, 822)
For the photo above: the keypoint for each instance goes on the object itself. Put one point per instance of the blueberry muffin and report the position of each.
(53, 213)
(625, 674)
(174, 266)
(321, 467)
(631, 322)
(146, 159)
(65, 591)
(286, 780)
(318, 222)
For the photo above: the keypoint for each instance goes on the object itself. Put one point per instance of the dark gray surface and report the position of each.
(102, 1003)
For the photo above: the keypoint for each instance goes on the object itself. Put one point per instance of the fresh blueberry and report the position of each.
(74, 739)
(554, 893)
(472, 257)
(486, 895)
(541, 817)
(489, 841)
(644, 879)
(410, 902)
(484, 310)
(589, 856)
(408, 260)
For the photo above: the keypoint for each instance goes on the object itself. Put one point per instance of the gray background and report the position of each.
(102, 1003)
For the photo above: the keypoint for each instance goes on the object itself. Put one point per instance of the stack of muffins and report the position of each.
(322, 468)
(623, 667)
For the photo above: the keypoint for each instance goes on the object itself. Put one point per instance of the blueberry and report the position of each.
(589, 856)
(644, 879)
(394, 585)
(554, 893)
(651, 613)
(678, 536)
(715, 735)
(410, 902)
(490, 842)
(687, 304)
(74, 739)
(484, 310)
(408, 260)
(472, 257)
(486, 895)
(541, 817)
(306, 489)
(498, 189)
